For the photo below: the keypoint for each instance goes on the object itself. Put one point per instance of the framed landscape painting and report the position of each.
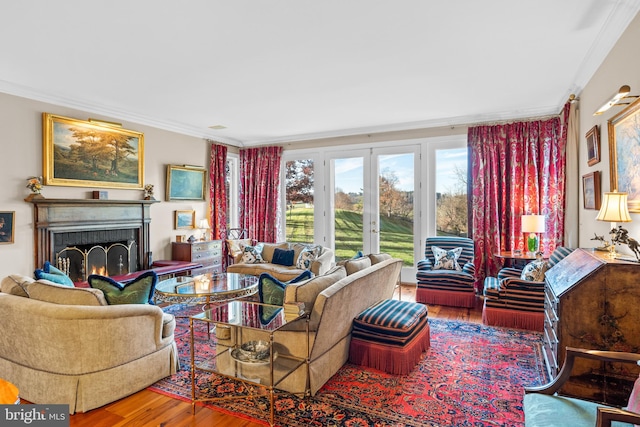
(624, 153)
(91, 153)
(185, 182)
(184, 219)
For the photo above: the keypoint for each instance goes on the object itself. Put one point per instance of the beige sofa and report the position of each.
(63, 345)
(333, 300)
(319, 266)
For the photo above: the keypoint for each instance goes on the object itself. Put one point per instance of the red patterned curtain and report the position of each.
(260, 192)
(218, 191)
(516, 169)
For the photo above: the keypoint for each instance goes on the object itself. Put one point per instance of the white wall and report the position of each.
(21, 142)
(622, 66)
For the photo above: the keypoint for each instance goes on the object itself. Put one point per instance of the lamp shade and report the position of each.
(204, 224)
(614, 208)
(533, 223)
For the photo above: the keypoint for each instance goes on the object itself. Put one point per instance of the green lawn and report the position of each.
(396, 236)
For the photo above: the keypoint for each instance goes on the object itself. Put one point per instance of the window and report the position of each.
(299, 189)
(451, 192)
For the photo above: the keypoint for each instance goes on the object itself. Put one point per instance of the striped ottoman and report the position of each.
(390, 336)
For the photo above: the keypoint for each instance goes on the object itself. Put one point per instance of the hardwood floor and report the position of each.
(149, 409)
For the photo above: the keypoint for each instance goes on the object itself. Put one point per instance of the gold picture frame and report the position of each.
(624, 153)
(185, 182)
(91, 153)
(7, 227)
(184, 219)
(593, 146)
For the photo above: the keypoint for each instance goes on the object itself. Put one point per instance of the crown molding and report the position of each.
(122, 115)
(468, 120)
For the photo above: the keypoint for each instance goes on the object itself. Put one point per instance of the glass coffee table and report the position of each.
(205, 288)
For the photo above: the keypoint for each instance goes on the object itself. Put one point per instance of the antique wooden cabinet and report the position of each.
(208, 253)
(593, 302)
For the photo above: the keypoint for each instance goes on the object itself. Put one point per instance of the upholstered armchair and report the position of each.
(447, 279)
(513, 302)
(544, 408)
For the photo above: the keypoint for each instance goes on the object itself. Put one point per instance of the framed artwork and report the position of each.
(7, 226)
(184, 219)
(91, 153)
(624, 153)
(185, 182)
(591, 190)
(593, 146)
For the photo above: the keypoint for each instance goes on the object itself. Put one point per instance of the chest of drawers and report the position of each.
(208, 253)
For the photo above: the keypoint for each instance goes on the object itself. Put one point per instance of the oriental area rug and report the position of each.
(472, 375)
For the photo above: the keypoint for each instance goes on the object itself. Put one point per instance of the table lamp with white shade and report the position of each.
(614, 209)
(533, 224)
(204, 226)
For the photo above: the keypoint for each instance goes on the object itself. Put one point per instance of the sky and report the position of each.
(349, 171)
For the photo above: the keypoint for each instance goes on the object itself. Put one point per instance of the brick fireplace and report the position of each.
(85, 236)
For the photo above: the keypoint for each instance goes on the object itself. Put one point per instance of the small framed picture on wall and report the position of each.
(591, 190)
(593, 146)
(7, 220)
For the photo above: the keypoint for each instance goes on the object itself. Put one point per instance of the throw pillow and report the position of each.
(283, 257)
(271, 291)
(307, 256)
(52, 274)
(139, 291)
(235, 246)
(446, 260)
(534, 271)
(252, 254)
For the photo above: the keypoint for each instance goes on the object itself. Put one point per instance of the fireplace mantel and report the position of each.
(53, 216)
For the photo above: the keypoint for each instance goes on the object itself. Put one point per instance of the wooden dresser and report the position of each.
(593, 302)
(208, 253)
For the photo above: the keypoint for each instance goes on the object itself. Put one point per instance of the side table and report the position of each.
(265, 374)
(517, 259)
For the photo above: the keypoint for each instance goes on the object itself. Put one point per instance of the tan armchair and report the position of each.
(543, 407)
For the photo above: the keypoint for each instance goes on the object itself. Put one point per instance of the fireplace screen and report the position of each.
(78, 262)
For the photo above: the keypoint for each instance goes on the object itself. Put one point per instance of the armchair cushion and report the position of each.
(139, 291)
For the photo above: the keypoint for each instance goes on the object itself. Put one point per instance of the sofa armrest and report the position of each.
(509, 272)
(607, 415)
(571, 355)
(323, 263)
(425, 264)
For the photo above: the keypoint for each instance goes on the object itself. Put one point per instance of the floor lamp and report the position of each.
(614, 209)
(533, 224)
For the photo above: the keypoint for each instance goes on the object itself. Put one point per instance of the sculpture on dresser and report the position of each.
(605, 243)
(621, 235)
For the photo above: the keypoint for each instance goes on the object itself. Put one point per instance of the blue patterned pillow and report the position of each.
(54, 275)
(252, 254)
(446, 260)
(139, 291)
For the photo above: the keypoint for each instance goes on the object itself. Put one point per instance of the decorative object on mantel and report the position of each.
(614, 209)
(34, 184)
(148, 192)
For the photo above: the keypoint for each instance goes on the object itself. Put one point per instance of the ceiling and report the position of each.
(289, 70)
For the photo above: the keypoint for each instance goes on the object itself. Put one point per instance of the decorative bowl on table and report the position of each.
(256, 352)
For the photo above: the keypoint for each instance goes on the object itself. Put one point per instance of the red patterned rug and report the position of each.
(473, 375)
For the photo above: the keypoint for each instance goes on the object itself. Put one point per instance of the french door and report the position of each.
(373, 203)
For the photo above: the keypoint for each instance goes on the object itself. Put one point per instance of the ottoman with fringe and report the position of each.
(390, 336)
